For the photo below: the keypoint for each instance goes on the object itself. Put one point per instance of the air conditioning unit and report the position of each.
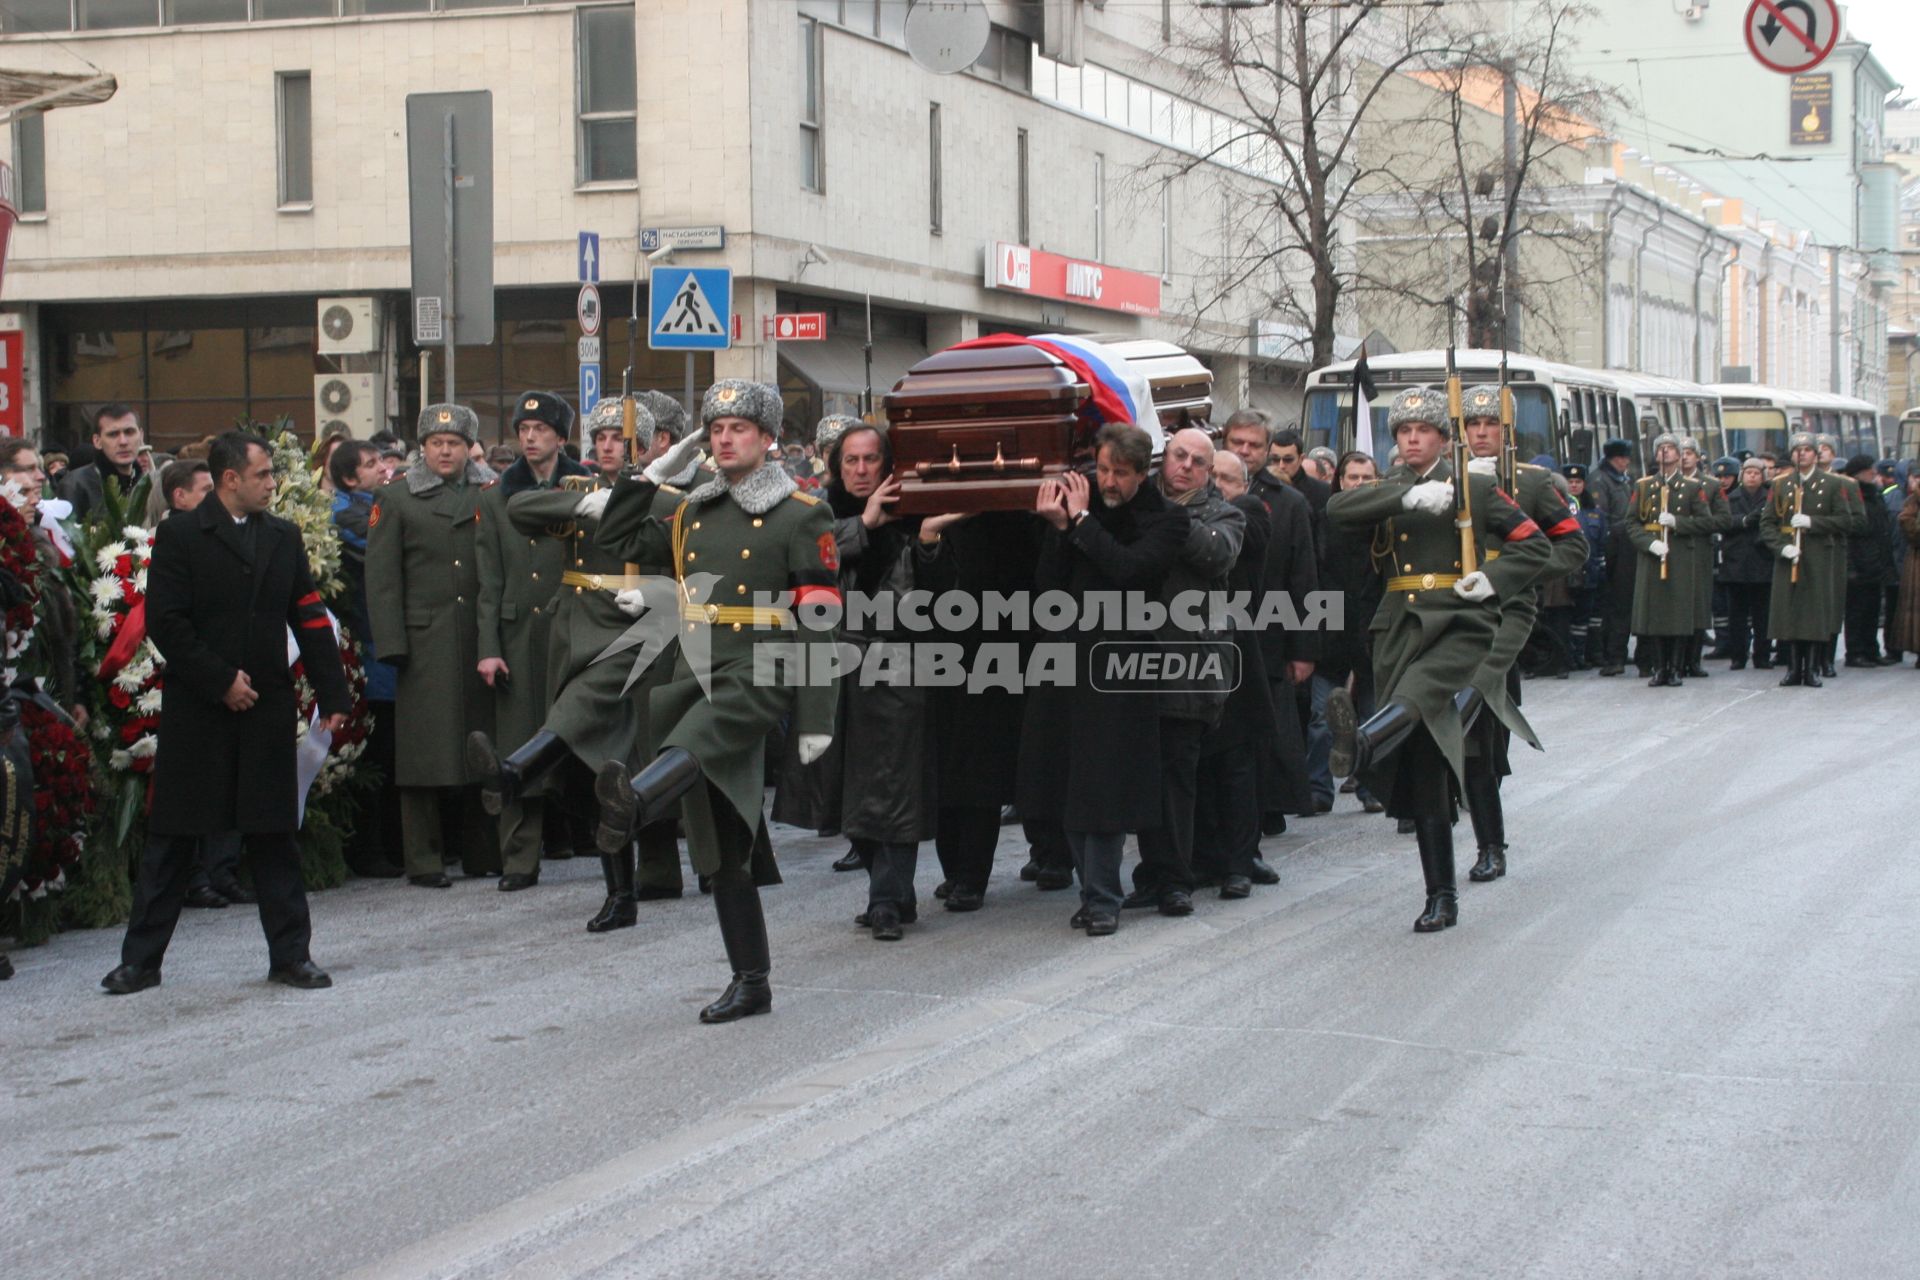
(349, 400)
(348, 326)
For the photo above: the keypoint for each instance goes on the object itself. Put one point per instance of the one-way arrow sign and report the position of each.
(589, 256)
(1792, 36)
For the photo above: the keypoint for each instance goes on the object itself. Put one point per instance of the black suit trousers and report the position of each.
(166, 869)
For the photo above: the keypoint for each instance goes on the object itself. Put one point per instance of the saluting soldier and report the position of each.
(423, 597)
(1434, 627)
(1490, 739)
(1806, 516)
(519, 575)
(595, 712)
(740, 541)
(1667, 509)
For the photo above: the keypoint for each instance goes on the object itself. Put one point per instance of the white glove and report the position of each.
(592, 505)
(814, 745)
(1658, 548)
(1789, 552)
(1476, 587)
(1483, 466)
(675, 460)
(1668, 520)
(631, 602)
(1434, 498)
(1802, 521)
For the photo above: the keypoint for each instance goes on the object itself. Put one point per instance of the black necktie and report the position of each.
(249, 538)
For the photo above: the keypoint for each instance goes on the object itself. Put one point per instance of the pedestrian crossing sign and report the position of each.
(690, 308)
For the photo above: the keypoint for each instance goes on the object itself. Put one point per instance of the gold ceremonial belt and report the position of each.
(1653, 526)
(603, 581)
(1423, 582)
(738, 615)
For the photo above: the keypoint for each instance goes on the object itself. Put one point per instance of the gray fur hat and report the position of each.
(1666, 438)
(831, 428)
(741, 398)
(438, 419)
(608, 416)
(1419, 404)
(1803, 440)
(1482, 401)
(669, 415)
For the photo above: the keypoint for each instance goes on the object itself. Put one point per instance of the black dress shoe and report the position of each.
(648, 893)
(1140, 900)
(304, 974)
(6, 967)
(1052, 878)
(1612, 669)
(1443, 912)
(615, 913)
(884, 919)
(1031, 871)
(515, 881)
(706, 884)
(232, 891)
(432, 880)
(965, 899)
(1372, 805)
(128, 979)
(1236, 887)
(942, 889)
(848, 861)
(204, 898)
(745, 996)
(1102, 924)
(908, 915)
(1492, 864)
(1176, 902)
(1079, 920)
(1261, 873)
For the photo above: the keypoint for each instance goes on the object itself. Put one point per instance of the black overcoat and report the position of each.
(211, 611)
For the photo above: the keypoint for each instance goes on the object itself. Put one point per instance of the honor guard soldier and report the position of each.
(1667, 510)
(1435, 625)
(423, 595)
(519, 576)
(1806, 517)
(1701, 549)
(1835, 573)
(1490, 739)
(596, 713)
(738, 542)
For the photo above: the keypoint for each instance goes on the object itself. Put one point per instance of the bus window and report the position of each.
(1909, 435)
(1718, 433)
(1751, 431)
(1329, 416)
(1533, 422)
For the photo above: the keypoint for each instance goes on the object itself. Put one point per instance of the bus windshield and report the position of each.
(1751, 431)
(1330, 411)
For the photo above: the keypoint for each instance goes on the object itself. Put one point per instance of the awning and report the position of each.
(24, 91)
(839, 363)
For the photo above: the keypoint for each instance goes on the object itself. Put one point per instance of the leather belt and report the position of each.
(736, 615)
(1423, 582)
(603, 581)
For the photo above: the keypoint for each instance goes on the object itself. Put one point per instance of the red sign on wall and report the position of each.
(796, 326)
(1017, 268)
(12, 386)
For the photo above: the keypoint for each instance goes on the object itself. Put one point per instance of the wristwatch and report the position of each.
(1078, 516)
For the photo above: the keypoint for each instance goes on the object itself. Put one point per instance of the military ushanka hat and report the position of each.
(442, 419)
(741, 398)
(1728, 467)
(831, 428)
(538, 406)
(1616, 449)
(608, 415)
(1802, 440)
(1480, 402)
(669, 415)
(1418, 404)
(1667, 438)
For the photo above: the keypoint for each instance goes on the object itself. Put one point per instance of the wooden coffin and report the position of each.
(1182, 386)
(979, 429)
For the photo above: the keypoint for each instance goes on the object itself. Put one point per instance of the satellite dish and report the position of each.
(945, 36)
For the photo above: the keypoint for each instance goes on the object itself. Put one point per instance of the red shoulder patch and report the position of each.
(373, 517)
(829, 551)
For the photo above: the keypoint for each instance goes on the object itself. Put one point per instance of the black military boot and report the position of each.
(1436, 860)
(1673, 651)
(744, 931)
(1695, 670)
(627, 805)
(1823, 660)
(1795, 665)
(502, 781)
(1489, 824)
(1355, 745)
(1811, 665)
(621, 909)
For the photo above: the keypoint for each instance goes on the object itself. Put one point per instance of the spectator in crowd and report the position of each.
(1612, 490)
(58, 612)
(356, 471)
(1869, 567)
(1323, 464)
(181, 486)
(1892, 480)
(120, 459)
(1584, 626)
(1906, 627)
(500, 457)
(1346, 660)
(1746, 570)
(322, 453)
(56, 468)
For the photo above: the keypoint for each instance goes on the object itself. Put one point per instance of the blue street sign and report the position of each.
(589, 257)
(690, 308)
(589, 388)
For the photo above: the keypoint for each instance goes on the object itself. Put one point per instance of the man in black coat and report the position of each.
(226, 583)
(119, 455)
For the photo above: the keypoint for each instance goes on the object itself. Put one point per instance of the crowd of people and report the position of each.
(493, 586)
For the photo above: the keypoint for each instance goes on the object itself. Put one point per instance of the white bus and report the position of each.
(1684, 408)
(1759, 419)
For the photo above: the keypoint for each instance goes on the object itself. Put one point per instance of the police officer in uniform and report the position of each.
(1806, 517)
(750, 552)
(1434, 628)
(1490, 738)
(1667, 508)
(519, 574)
(423, 597)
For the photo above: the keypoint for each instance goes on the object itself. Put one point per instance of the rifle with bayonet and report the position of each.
(1462, 490)
(1509, 445)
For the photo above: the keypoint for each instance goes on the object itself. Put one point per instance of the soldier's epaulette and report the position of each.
(490, 484)
(579, 484)
(807, 498)
(678, 493)
(1527, 466)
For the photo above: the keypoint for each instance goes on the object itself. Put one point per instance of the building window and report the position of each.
(1007, 60)
(812, 162)
(1022, 192)
(1099, 207)
(1166, 231)
(933, 168)
(32, 17)
(295, 91)
(105, 15)
(184, 13)
(607, 146)
(30, 163)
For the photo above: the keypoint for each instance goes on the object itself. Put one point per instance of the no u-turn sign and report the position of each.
(1791, 36)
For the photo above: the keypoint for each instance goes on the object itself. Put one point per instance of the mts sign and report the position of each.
(1019, 269)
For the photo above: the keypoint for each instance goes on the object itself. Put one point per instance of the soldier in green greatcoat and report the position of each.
(1834, 570)
(1665, 509)
(750, 554)
(1807, 514)
(1701, 547)
(519, 579)
(423, 599)
(597, 706)
(1489, 739)
(1434, 628)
